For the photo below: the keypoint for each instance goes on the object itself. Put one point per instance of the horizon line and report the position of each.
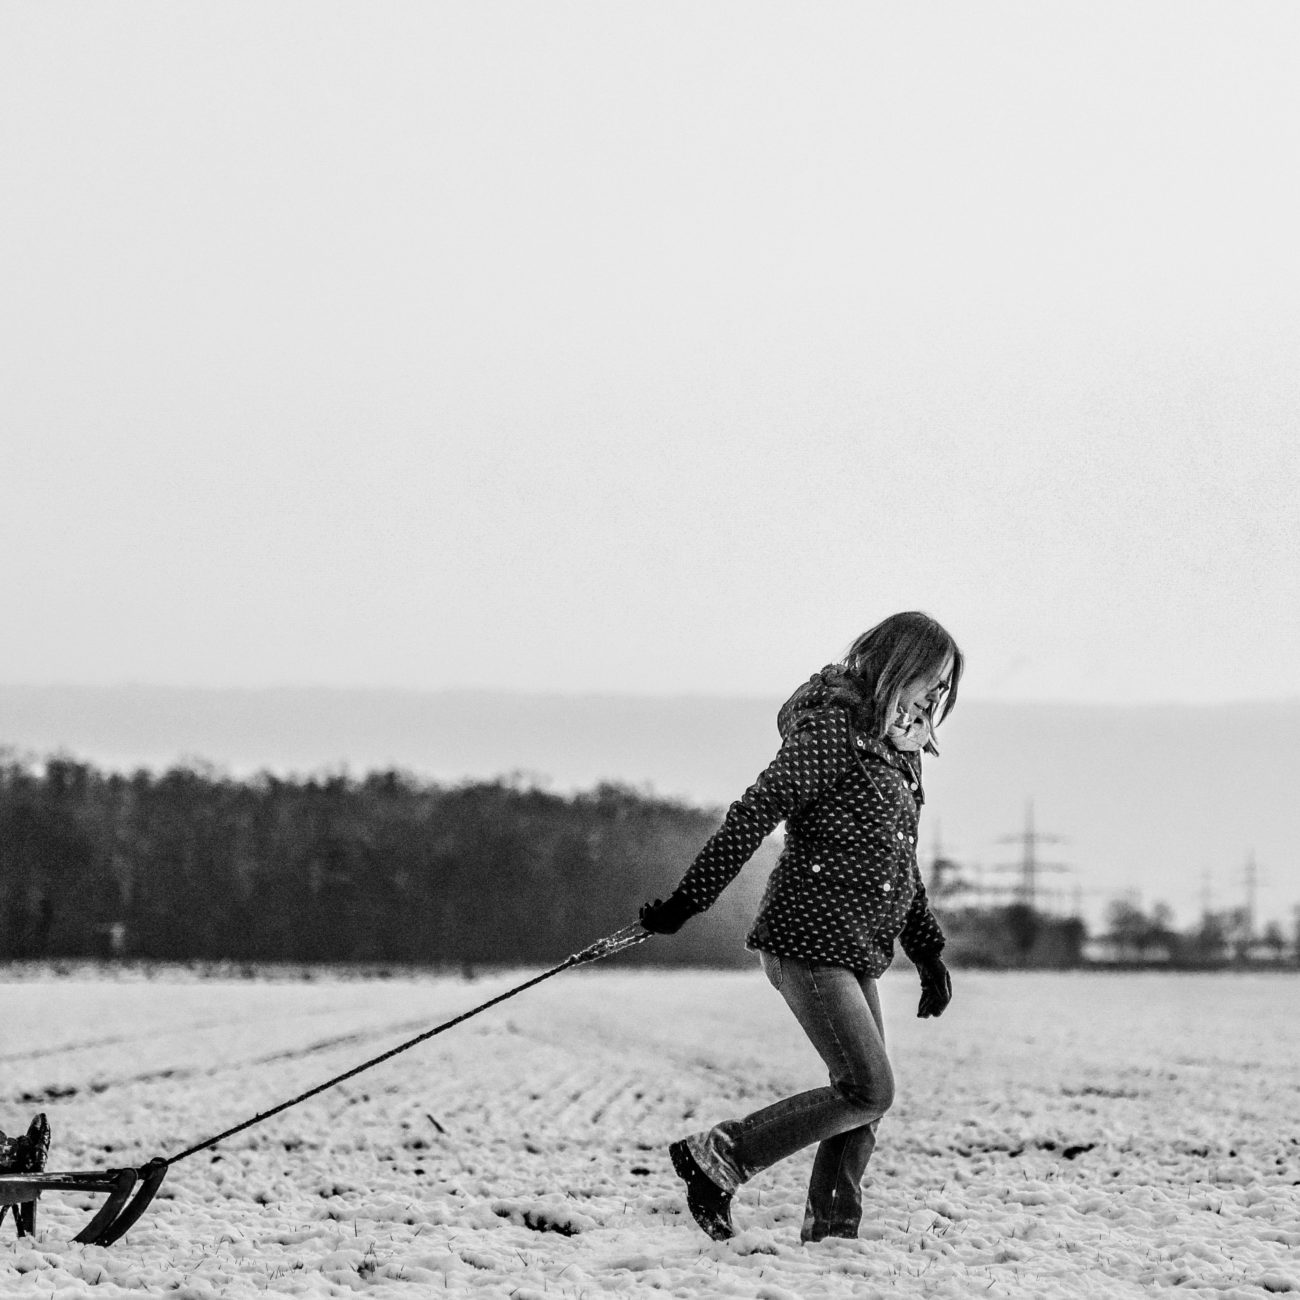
(557, 693)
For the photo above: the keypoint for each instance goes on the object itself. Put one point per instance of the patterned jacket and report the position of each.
(847, 883)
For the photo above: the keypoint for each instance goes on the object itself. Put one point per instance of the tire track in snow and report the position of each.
(116, 1040)
(197, 1030)
(61, 1092)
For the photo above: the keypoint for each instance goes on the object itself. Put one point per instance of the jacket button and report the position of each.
(901, 836)
(816, 866)
(886, 886)
(911, 785)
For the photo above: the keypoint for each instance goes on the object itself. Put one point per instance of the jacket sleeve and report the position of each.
(921, 936)
(811, 761)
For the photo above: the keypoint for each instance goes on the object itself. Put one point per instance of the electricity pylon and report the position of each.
(1030, 865)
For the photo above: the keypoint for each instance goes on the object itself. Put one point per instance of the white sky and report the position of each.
(650, 346)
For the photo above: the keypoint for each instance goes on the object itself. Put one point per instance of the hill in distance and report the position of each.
(1167, 801)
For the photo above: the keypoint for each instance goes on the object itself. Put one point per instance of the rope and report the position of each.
(617, 942)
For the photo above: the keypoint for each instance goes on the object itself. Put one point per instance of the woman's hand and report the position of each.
(936, 987)
(666, 917)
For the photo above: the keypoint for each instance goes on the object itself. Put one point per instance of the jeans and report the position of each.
(839, 1010)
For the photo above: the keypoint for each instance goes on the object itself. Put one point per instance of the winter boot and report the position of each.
(709, 1205)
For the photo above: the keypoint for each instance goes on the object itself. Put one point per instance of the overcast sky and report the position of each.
(650, 346)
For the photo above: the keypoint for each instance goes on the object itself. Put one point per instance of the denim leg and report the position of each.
(834, 1207)
(840, 1013)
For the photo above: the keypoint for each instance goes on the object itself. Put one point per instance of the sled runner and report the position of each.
(22, 1160)
(23, 1179)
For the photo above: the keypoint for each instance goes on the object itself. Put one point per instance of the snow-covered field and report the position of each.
(1054, 1135)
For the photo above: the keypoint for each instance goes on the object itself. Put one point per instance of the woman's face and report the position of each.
(922, 696)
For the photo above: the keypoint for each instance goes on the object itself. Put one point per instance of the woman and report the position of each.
(847, 783)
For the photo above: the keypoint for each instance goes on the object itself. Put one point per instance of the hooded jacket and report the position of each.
(847, 883)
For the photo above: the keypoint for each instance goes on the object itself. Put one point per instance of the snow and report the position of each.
(1054, 1136)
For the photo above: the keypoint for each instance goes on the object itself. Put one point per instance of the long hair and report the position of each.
(894, 653)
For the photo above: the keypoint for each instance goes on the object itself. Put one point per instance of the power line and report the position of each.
(1030, 866)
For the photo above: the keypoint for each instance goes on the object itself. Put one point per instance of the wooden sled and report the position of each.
(23, 1179)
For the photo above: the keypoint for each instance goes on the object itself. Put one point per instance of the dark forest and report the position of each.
(191, 865)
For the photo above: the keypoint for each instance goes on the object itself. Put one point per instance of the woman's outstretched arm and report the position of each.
(813, 758)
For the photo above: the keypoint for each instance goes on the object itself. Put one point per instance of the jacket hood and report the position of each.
(834, 685)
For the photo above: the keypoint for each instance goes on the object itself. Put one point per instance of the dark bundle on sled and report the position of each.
(23, 1179)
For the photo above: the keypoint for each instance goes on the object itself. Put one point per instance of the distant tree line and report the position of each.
(1225, 938)
(1013, 936)
(192, 865)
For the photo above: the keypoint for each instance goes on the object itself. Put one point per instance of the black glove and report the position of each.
(667, 917)
(936, 987)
